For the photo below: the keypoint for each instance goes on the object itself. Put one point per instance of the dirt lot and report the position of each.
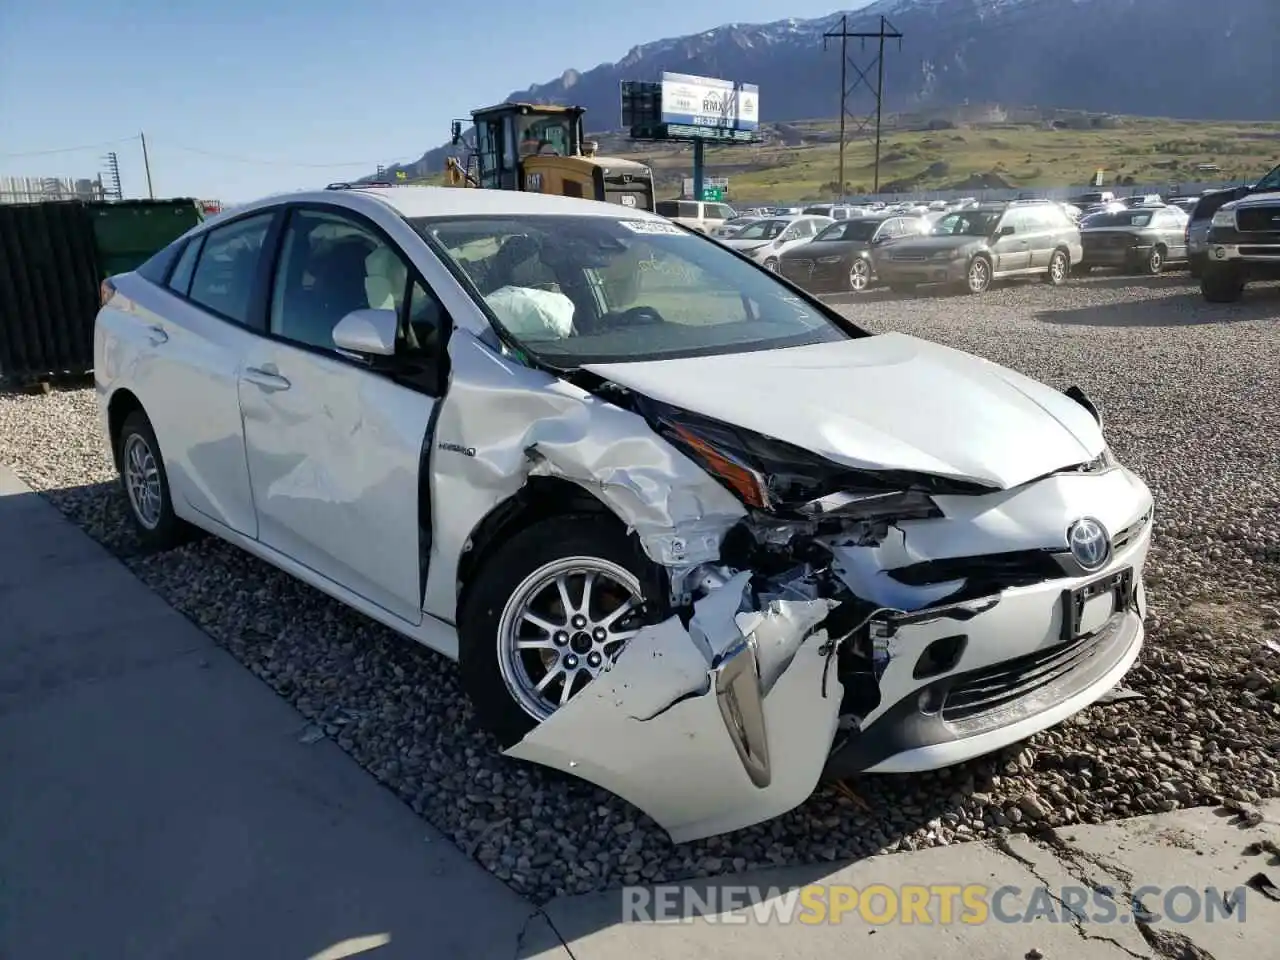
(1190, 393)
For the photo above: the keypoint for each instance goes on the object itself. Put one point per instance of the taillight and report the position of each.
(106, 290)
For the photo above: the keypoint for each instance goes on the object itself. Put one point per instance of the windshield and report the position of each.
(574, 290)
(1128, 219)
(971, 223)
(850, 230)
(762, 230)
(1270, 182)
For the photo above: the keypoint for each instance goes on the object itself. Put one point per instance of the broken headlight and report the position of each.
(773, 475)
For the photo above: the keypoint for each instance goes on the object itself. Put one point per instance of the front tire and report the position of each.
(859, 275)
(146, 486)
(978, 278)
(548, 611)
(1221, 286)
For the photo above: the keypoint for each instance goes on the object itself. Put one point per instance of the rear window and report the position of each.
(1136, 218)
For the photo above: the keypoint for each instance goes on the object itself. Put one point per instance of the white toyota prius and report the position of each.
(690, 534)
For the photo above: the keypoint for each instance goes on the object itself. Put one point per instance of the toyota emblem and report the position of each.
(1089, 542)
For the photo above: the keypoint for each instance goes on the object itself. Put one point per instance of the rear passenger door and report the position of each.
(199, 339)
(1010, 248)
(337, 446)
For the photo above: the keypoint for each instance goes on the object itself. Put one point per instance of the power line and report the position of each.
(48, 153)
(278, 163)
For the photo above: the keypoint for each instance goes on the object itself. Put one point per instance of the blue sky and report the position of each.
(237, 97)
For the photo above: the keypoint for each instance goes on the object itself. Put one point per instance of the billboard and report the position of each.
(704, 102)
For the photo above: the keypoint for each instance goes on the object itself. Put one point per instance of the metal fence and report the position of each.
(48, 290)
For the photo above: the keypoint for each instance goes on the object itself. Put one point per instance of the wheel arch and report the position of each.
(541, 498)
(123, 402)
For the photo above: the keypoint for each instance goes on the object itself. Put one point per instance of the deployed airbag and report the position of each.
(529, 312)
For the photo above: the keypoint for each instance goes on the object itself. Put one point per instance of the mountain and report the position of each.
(1189, 59)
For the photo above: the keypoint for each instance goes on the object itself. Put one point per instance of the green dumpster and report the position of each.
(128, 232)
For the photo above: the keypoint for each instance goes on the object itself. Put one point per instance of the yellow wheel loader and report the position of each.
(539, 148)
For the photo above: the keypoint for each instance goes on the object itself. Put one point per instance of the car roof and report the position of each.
(416, 201)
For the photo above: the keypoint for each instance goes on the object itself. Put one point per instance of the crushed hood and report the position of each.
(889, 401)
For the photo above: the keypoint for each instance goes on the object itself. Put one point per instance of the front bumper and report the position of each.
(1253, 260)
(975, 712)
(906, 272)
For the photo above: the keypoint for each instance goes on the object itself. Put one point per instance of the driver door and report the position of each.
(336, 448)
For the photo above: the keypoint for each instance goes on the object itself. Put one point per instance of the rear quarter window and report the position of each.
(157, 268)
(667, 208)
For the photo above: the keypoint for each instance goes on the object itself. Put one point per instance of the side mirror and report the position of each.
(1005, 232)
(362, 334)
(457, 132)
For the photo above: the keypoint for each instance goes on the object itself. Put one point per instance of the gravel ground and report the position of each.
(1191, 397)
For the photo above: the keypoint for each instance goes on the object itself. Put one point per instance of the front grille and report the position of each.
(986, 574)
(1258, 219)
(984, 691)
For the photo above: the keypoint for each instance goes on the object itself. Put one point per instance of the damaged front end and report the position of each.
(854, 620)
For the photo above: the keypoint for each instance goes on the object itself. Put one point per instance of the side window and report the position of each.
(1015, 220)
(180, 281)
(330, 266)
(720, 212)
(228, 266)
(689, 211)
(156, 266)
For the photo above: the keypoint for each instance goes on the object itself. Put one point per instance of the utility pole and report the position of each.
(146, 163)
(887, 31)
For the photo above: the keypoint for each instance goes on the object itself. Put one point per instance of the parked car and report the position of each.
(839, 258)
(1185, 204)
(970, 248)
(532, 433)
(1091, 199)
(1211, 201)
(834, 211)
(1243, 243)
(1143, 200)
(730, 227)
(695, 214)
(1140, 239)
(767, 240)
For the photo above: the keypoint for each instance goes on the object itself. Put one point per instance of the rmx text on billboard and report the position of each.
(707, 102)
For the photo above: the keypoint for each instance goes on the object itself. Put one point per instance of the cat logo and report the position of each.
(534, 183)
(628, 200)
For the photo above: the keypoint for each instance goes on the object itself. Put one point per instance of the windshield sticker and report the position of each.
(652, 227)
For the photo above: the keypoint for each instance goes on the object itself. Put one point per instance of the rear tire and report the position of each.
(145, 483)
(1154, 265)
(499, 676)
(1221, 286)
(1059, 269)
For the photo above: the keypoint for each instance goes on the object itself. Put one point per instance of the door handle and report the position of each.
(157, 335)
(266, 379)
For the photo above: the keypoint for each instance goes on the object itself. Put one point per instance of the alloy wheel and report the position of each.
(142, 481)
(1058, 268)
(563, 626)
(859, 275)
(979, 276)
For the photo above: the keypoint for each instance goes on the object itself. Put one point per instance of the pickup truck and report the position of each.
(1243, 244)
(1211, 202)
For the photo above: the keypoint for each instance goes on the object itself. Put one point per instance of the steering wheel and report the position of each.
(638, 316)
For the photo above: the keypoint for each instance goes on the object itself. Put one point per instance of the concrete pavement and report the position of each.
(155, 801)
(1193, 850)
